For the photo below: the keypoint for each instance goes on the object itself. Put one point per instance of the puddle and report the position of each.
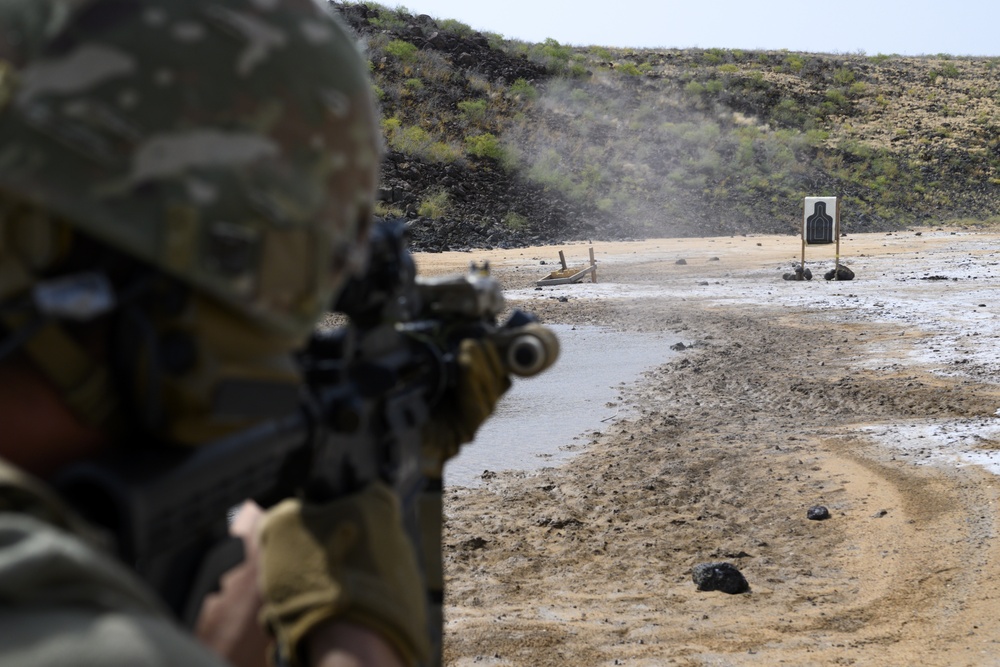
(540, 418)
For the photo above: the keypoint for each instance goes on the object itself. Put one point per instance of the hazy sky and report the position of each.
(913, 27)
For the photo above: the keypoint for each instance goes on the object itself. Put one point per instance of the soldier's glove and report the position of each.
(348, 560)
(482, 380)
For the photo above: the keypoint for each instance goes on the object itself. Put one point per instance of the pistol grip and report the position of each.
(223, 556)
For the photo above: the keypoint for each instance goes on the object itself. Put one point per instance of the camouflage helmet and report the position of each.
(231, 143)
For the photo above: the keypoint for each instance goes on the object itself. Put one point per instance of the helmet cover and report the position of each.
(230, 143)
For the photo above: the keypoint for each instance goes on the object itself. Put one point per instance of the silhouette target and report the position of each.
(819, 225)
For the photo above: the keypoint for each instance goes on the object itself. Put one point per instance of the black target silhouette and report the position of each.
(819, 225)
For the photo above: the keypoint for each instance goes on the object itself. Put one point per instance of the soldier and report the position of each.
(184, 185)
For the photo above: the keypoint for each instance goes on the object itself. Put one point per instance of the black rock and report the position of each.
(719, 577)
(681, 262)
(678, 347)
(474, 543)
(844, 274)
(818, 513)
(799, 274)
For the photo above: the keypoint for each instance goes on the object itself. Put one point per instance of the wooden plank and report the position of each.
(575, 278)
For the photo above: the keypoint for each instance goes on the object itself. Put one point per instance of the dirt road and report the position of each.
(792, 394)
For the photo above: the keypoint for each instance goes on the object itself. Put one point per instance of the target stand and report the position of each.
(821, 226)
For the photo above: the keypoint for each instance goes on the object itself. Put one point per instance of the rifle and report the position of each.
(370, 387)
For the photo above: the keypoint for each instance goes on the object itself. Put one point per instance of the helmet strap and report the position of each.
(84, 384)
(136, 363)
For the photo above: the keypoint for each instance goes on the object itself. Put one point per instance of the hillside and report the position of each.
(495, 142)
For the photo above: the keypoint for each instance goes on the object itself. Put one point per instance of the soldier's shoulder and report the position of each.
(65, 603)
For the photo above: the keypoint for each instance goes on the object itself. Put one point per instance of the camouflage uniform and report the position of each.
(67, 603)
(231, 146)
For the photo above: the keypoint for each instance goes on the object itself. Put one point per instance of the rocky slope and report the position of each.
(498, 143)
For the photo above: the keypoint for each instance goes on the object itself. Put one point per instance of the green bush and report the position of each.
(836, 97)
(554, 55)
(515, 221)
(457, 27)
(521, 88)
(714, 56)
(435, 205)
(442, 152)
(843, 76)
(387, 19)
(384, 210)
(950, 71)
(787, 112)
(694, 89)
(401, 50)
(817, 138)
(755, 81)
(474, 111)
(484, 145)
(628, 68)
(496, 40)
(391, 125)
(415, 140)
(794, 64)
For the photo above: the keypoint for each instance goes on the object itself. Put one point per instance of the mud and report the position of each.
(871, 398)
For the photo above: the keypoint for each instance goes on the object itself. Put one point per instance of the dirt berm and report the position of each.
(790, 395)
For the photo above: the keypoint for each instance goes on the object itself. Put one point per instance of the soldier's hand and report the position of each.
(482, 380)
(348, 560)
(229, 619)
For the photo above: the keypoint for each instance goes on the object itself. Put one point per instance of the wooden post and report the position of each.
(593, 266)
(562, 260)
(802, 264)
(836, 266)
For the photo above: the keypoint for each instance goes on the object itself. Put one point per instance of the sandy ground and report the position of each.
(874, 397)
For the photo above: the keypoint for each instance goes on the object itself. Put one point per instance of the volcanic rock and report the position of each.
(719, 577)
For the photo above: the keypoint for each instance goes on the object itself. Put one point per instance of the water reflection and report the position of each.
(542, 415)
